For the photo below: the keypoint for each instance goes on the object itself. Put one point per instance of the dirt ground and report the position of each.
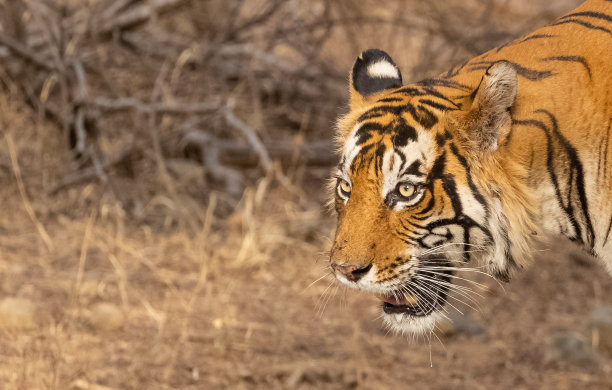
(158, 278)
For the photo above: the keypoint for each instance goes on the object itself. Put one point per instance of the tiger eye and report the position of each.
(345, 187)
(406, 190)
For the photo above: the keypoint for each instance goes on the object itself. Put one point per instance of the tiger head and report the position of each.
(425, 185)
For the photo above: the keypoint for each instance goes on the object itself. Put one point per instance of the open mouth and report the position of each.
(426, 292)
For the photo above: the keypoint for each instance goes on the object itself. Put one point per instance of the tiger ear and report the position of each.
(488, 122)
(373, 71)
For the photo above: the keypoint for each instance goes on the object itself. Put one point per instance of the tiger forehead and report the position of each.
(385, 156)
(406, 121)
(415, 104)
(399, 114)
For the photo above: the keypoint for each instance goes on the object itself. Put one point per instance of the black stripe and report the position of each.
(605, 170)
(391, 100)
(529, 74)
(584, 24)
(438, 106)
(507, 252)
(437, 170)
(427, 118)
(362, 159)
(379, 154)
(410, 91)
(475, 193)
(551, 169)
(590, 14)
(537, 36)
(454, 71)
(381, 110)
(422, 116)
(415, 226)
(443, 83)
(440, 140)
(402, 157)
(434, 92)
(413, 169)
(448, 183)
(403, 133)
(603, 154)
(427, 208)
(578, 59)
(364, 133)
(575, 180)
(608, 232)
(405, 237)
(529, 38)
(577, 165)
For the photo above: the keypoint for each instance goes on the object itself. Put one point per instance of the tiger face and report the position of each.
(411, 209)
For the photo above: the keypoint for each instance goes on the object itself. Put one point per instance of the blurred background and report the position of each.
(162, 190)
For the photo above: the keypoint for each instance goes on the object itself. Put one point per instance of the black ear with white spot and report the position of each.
(489, 120)
(374, 71)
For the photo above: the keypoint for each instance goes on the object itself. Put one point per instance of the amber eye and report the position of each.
(344, 188)
(406, 190)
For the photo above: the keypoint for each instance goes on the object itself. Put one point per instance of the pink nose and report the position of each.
(350, 271)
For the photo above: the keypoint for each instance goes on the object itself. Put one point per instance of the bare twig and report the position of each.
(123, 104)
(137, 15)
(252, 139)
(314, 153)
(24, 52)
(92, 173)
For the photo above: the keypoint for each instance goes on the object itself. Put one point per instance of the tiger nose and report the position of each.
(352, 272)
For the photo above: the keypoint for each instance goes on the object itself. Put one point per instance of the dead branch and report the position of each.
(252, 139)
(98, 171)
(313, 153)
(124, 104)
(24, 52)
(136, 15)
(211, 149)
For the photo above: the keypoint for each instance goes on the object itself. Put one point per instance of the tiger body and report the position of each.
(476, 165)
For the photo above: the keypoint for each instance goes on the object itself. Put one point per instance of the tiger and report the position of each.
(475, 166)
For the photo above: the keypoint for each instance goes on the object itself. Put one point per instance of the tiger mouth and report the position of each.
(426, 293)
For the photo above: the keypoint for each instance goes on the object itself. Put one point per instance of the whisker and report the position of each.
(434, 295)
(319, 304)
(330, 297)
(464, 294)
(444, 283)
(462, 290)
(313, 283)
(430, 250)
(429, 293)
(480, 285)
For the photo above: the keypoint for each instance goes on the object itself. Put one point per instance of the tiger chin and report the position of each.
(473, 167)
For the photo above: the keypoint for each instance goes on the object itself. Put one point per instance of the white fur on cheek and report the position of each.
(383, 69)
